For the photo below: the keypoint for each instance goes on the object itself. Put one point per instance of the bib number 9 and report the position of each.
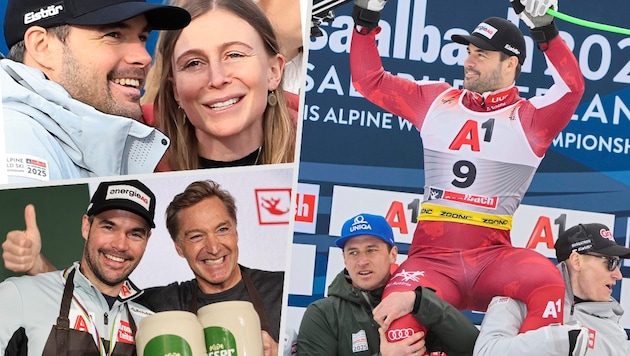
(466, 172)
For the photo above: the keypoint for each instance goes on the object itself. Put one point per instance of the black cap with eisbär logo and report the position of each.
(129, 195)
(22, 14)
(496, 34)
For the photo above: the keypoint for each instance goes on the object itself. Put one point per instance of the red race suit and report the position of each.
(480, 154)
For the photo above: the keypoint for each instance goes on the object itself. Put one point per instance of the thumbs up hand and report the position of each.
(21, 251)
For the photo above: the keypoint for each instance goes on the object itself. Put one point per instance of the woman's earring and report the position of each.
(272, 99)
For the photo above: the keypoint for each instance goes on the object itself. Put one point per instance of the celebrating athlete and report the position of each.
(482, 146)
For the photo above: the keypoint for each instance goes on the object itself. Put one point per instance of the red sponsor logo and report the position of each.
(470, 199)
(305, 208)
(80, 324)
(482, 27)
(399, 334)
(273, 205)
(125, 291)
(124, 333)
(497, 98)
(591, 338)
(35, 162)
(607, 234)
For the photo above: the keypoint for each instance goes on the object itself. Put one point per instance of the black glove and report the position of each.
(416, 304)
(367, 13)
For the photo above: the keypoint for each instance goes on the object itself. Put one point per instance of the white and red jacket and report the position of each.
(499, 330)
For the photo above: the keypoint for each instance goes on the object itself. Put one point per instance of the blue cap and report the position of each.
(366, 224)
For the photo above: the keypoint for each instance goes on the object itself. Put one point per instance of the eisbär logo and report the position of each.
(485, 30)
(359, 223)
(128, 192)
(512, 49)
(43, 13)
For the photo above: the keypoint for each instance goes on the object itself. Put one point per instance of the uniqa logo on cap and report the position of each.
(359, 223)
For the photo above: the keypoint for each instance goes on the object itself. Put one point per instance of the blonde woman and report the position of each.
(219, 96)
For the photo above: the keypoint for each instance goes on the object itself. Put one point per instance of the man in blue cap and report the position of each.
(353, 319)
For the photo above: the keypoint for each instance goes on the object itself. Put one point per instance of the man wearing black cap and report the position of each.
(89, 304)
(347, 321)
(71, 86)
(589, 260)
(482, 145)
(202, 223)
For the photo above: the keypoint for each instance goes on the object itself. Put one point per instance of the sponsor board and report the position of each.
(307, 199)
(534, 227)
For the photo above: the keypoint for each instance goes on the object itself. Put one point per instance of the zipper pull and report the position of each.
(105, 317)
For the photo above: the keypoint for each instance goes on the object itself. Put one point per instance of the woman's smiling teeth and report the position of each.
(127, 82)
(224, 104)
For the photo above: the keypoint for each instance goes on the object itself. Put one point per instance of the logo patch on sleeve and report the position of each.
(27, 166)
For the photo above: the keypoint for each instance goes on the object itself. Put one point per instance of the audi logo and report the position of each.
(399, 334)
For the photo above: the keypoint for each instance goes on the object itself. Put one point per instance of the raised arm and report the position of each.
(399, 96)
(543, 117)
